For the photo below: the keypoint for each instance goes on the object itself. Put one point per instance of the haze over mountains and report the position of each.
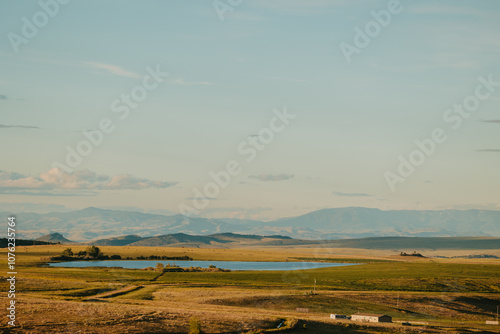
(353, 222)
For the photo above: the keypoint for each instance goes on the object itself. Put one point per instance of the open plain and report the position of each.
(434, 295)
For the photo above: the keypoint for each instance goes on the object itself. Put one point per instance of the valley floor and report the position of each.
(435, 296)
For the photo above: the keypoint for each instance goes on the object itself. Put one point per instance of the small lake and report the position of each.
(232, 265)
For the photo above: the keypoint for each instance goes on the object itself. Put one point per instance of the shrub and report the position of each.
(67, 252)
(194, 326)
(93, 251)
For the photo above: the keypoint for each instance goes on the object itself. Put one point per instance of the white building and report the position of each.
(368, 317)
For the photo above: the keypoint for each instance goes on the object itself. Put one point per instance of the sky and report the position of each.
(249, 109)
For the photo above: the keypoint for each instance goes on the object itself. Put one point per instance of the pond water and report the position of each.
(232, 265)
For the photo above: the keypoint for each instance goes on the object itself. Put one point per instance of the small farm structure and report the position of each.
(368, 317)
(338, 316)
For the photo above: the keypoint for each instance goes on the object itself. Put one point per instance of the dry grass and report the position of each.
(93, 300)
(56, 316)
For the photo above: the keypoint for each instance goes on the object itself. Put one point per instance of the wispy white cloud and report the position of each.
(271, 177)
(338, 193)
(101, 67)
(50, 193)
(3, 126)
(201, 198)
(113, 69)
(182, 82)
(132, 182)
(57, 179)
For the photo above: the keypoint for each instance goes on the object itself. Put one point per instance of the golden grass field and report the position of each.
(435, 295)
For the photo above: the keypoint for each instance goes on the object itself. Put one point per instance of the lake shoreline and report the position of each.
(230, 265)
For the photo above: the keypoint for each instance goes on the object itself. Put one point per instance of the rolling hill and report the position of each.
(54, 238)
(230, 240)
(186, 240)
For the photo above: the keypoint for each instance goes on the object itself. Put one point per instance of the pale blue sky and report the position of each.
(352, 121)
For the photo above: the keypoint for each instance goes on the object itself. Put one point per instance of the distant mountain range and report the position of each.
(339, 223)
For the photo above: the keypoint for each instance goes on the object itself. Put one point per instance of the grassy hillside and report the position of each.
(186, 240)
(417, 243)
(237, 240)
(119, 241)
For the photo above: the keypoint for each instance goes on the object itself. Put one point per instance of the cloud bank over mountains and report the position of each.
(85, 179)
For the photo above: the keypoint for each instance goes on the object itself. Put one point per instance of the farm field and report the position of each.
(435, 295)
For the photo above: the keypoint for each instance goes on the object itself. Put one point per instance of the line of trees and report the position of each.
(90, 253)
(412, 254)
(164, 257)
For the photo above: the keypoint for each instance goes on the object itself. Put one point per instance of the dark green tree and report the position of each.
(67, 252)
(93, 251)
